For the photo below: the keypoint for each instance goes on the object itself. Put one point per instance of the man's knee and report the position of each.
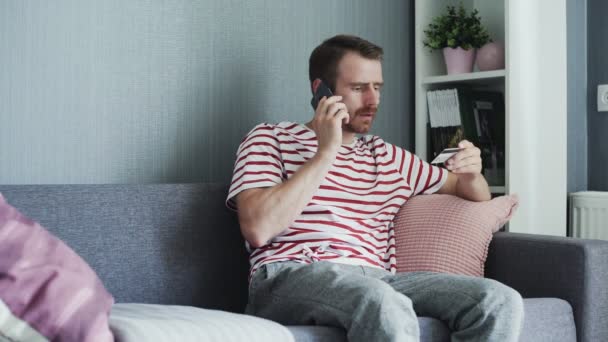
(380, 307)
(383, 295)
(502, 300)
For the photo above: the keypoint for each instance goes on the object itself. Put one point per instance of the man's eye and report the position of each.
(357, 88)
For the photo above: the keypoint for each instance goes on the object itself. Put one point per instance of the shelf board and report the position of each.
(498, 189)
(472, 77)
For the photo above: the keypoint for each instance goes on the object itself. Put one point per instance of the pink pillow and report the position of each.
(444, 233)
(47, 292)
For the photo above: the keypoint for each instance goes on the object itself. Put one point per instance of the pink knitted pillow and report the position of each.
(444, 233)
(47, 291)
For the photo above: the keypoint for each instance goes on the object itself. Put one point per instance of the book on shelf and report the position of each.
(477, 116)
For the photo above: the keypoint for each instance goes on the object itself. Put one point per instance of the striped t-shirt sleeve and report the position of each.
(258, 162)
(422, 177)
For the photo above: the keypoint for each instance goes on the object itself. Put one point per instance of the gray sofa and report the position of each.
(177, 244)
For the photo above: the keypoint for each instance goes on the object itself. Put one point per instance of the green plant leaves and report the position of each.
(455, 29)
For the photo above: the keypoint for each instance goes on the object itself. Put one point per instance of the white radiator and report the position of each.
(589, 215)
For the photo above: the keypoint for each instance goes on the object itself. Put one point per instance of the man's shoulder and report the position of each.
(284, 131)
(283, 125)
(264, 126)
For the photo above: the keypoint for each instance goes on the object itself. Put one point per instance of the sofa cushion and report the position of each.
(431, 330)
(145, 240)
(317, 333)
(161, 323)
(444, 233)
(546, 319)
(47, 291)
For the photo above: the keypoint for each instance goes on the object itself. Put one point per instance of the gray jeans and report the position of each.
(372, 304)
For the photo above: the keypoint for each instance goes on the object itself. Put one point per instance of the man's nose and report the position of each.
(372, 97)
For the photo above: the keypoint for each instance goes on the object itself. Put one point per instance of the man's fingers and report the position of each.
(469, 152)
(463, 161)
(466, 165)
(335, 108)
(331, 109)
(465, 144)
(325, 102)
(343, 116)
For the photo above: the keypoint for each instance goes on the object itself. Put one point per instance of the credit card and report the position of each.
(446, 154)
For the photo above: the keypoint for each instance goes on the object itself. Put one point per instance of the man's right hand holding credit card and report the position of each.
(466, 158)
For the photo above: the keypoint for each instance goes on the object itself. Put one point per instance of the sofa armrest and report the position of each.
(575, 270)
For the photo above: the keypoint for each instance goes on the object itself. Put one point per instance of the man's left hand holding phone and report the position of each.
(330, 113)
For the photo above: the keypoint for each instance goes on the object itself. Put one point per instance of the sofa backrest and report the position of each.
(150, 243)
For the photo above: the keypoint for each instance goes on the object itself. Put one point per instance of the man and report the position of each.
(316, 203)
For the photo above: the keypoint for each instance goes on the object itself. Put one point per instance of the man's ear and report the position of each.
(315, 84)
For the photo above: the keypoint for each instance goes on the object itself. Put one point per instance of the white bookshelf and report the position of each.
(474, 78)
(533, 84)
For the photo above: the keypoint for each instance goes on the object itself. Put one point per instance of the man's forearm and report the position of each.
(273, 209)
(473, 187)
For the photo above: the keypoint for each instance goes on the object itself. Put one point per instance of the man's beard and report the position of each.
(358, 127)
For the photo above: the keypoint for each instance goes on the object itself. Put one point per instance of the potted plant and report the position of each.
(458, 34)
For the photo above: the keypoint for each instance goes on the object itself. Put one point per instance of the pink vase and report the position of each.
(459, 60)
(491, 57)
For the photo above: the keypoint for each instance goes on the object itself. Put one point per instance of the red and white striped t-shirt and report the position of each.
(349, 219)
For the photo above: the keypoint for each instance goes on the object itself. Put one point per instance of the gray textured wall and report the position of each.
(163, 91)
(577, 95)
(597, 74)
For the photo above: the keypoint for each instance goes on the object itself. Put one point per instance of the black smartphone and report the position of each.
(322, 90)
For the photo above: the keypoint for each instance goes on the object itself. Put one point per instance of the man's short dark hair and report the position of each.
(324, 59)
